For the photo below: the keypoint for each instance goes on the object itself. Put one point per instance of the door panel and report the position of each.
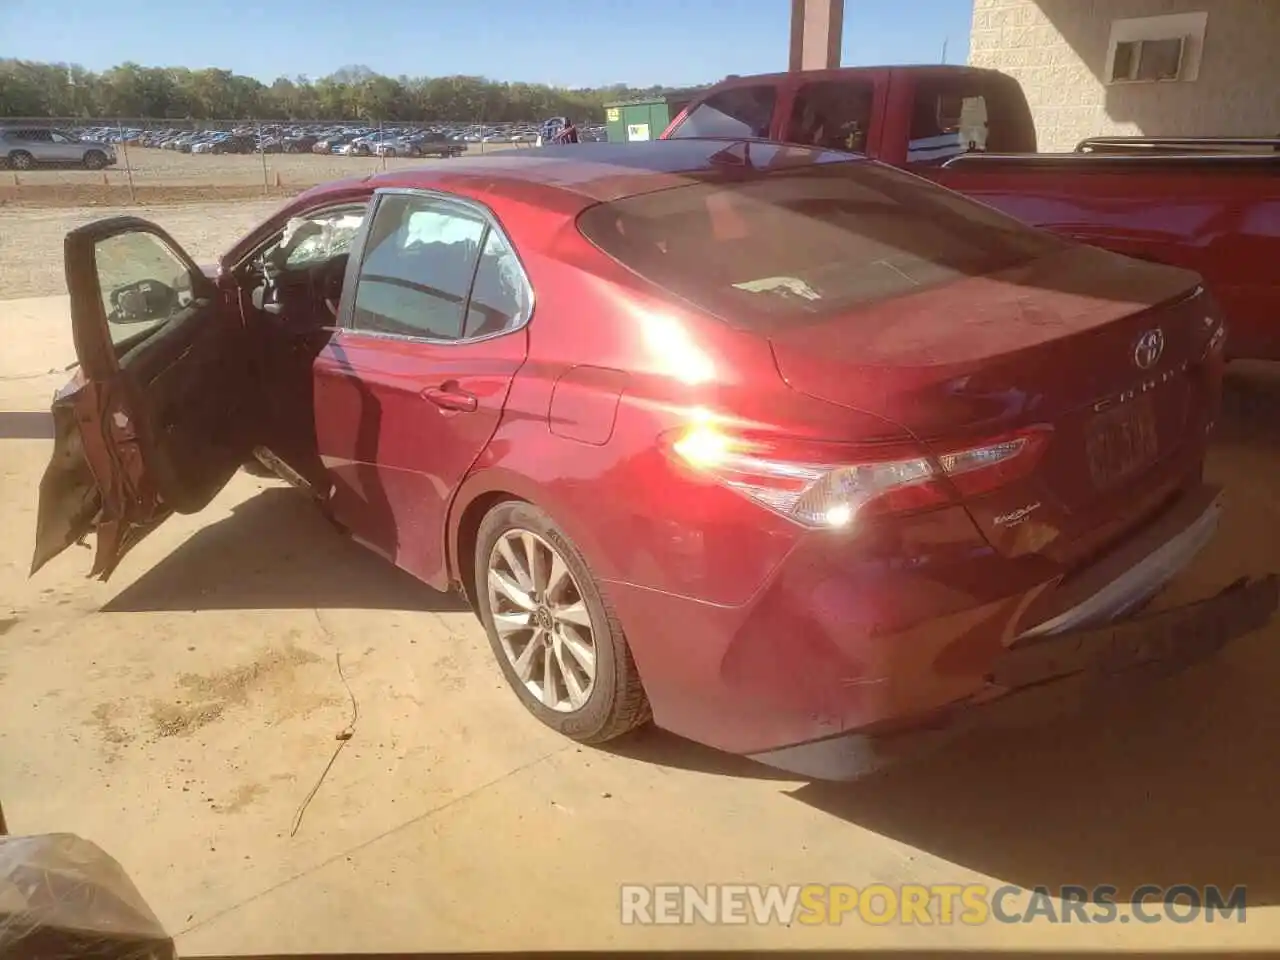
(163, 404)
(395, 453)
(411, 389)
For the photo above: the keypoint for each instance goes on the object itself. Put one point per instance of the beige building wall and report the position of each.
(1058, 50)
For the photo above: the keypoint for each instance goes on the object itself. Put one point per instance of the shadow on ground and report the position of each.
(276, 551)
(1251, 403)
(26, 425)
(1177, 786)
(654, 746)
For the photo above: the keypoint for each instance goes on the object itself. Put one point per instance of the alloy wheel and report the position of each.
(542, 620)
(20, 160)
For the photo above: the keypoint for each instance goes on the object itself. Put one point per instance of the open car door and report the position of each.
(160, 413)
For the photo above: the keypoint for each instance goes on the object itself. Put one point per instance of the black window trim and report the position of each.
(347, 308)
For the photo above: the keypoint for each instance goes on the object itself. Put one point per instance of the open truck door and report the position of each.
(160, 413)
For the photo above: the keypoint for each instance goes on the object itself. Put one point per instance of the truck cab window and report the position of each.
(735, 112)
(945, 123)
(833, 114)
(984, 113)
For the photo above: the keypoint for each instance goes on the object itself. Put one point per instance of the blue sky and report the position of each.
(561, 42)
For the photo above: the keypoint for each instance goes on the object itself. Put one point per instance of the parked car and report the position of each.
(840, 453)
(300, 143)
(235, 143)
(23, 148)
(971, 130)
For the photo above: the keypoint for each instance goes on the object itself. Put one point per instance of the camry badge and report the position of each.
(1146, 352)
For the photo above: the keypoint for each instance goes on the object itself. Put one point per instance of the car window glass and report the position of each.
(60, 138)
(320, 236)
(417, 269)
(796, 246)
(500, 297)
(736, 112)
(946, 121)
(143, 283)
(834, 115)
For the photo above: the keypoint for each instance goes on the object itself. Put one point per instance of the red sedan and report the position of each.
(787, 449)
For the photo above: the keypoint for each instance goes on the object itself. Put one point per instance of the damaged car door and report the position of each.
(159, 414)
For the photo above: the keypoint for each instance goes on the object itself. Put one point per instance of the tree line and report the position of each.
(30, 90)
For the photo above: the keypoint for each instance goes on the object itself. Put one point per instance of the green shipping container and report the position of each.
(634, 121)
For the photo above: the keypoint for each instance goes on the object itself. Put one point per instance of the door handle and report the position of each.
(450, 396)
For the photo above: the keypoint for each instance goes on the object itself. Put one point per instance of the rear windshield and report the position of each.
(763, 249)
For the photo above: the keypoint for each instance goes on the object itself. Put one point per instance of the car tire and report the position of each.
(94, 160)
(571, 624)
(21, 160)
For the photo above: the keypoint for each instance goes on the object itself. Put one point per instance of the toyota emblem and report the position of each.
(1146, 353)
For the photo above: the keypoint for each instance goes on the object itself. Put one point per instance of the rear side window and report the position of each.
(439, 269)
(968, 114)
(783, 247)
(418, 266)
(735, 112)
(833, 114)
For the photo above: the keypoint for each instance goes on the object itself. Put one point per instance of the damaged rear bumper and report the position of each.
(1045, 676)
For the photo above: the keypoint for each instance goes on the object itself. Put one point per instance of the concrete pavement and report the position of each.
(180, 714)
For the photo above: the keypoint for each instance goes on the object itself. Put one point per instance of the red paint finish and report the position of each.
(1218, 216)
(752, 631)
(398, 425)
(584, 404)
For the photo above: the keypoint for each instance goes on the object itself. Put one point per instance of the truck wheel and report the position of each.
(95, 160)
(554, 634)
(21, 160)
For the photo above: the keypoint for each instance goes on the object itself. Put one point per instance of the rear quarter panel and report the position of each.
(634, 368)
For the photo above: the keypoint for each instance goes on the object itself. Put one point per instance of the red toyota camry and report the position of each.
(789, 450)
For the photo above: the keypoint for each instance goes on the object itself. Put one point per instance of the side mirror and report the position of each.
(142, 302)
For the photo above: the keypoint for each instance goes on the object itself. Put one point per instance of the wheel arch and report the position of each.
(479, 493)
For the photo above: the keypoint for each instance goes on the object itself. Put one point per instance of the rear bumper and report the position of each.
(1052, 676)
(828, 667)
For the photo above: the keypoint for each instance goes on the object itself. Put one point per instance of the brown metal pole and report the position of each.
(128, 167)
(266, 180)
(817, 28)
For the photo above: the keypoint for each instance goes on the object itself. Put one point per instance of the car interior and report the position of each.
(291, 288)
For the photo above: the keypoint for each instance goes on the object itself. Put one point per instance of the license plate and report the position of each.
(1122, 441)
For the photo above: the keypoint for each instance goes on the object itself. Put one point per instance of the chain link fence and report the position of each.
(141, 159)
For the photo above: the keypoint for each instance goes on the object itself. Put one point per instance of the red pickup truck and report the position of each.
(971, 130)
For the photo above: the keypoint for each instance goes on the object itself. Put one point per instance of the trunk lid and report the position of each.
(1099, 350)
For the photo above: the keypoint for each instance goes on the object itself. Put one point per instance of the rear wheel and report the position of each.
(21, 160)
(556, 638)
(95, 160)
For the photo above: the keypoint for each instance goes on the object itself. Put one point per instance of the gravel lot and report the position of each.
(31, 238)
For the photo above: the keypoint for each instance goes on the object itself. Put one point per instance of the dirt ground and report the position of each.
(181, 714)
(165, 176)
(31, 237)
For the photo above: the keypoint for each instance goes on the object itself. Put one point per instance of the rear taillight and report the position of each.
(881, 480)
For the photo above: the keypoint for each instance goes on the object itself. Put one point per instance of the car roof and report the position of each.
(602, 172)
